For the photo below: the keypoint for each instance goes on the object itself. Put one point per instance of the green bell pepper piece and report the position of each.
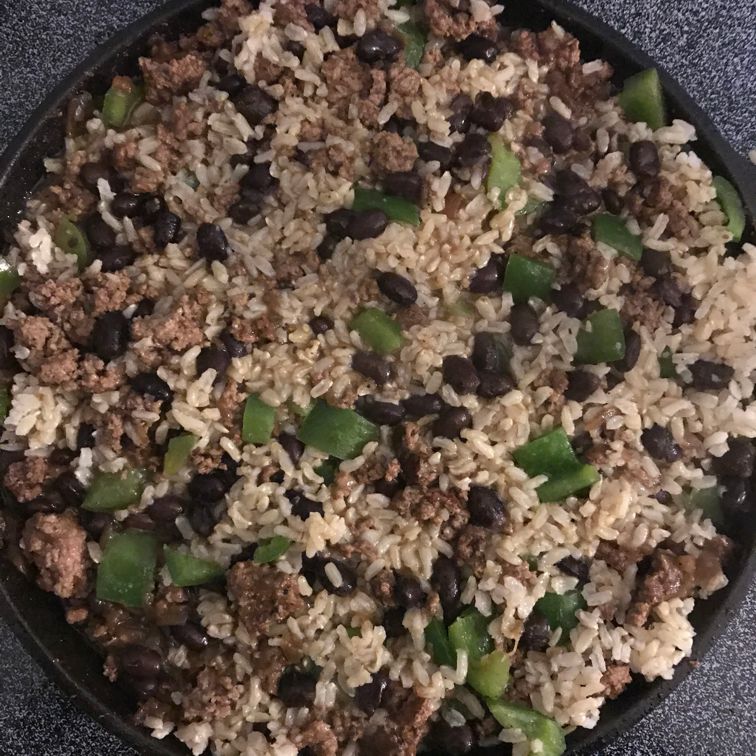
(186, 570)
(9, 280)
(297, 410)
(73, 241)
(414, 43)
(642, 99)
(604, 342)
(533, 725)
(560, 610)
(504, 171)
(342, 433)
(489, 675)
(732, 206)
(532, 205)
(396, 208)
(666, 365)
(378, 330)
(271, 549)
(353, 632)
(126, 573)
(177, 453)
(612, 230)
(708, 500)
(111, 491)
(436, 637)
(525, 278)
(120, 102)
(461, 307)
(5, 402)
(258, 421)
(469, 632)
(551, 454)
(568, 483)
(327, 470)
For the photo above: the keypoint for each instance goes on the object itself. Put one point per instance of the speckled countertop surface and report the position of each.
(711, 49)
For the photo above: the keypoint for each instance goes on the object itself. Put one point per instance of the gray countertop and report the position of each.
(711, 49)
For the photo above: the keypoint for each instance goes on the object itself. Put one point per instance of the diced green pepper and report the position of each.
(327, 470)
(177, 453)
(551, 454)
(72, 240)
(111, 491)
(120, 102)
(666, 365)
(258, 421)
(378, 330)
(187, 570)
(297, 410)
(708, 500)
(642, 99)
(613, 231)
(560, 610)
(532, 205)
(414, 43)
(525, 278)
(5, 402)
(9, 280)
(504, 171)
(461, 307)
(469, 632)
(126, 573)
(271, 550)
(342, 433)
(571, 482)
(489, 675)
(437, 638)
(603, 342)
(396, 208)
(533, 725)
(732, 206)
(353, 632)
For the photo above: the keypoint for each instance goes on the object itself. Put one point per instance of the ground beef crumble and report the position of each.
(213, 696)
(176, 76)
(448, 18)
(615, 679)
(25, 479)
(392, 153)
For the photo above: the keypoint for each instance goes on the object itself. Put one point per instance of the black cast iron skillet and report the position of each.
(36, 617)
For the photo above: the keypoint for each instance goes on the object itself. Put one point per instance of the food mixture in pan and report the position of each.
(378, 381)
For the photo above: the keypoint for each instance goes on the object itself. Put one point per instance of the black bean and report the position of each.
(490, 352)
(203, 520)
(166, 508)
(367, 224)
(523, 320)
(577, 567)
(489, 278)
(490, 112)
(166, 228)
(536, 634)
(737, 461)
(151, 384)
(319, 17)
(296, 688)
(446, 580)
(139, 521)
(337, 224)
(348, 578)
(656, 263)
(668, 291)
(245, 555)
(90, 173)
(345, 41)
(320, 324)
(207, 487)
(558, 132)
(660, 444)
(143, 309)
(581, 384)
(450, 740)
(373, 366)
(405, 184)
(127, 205)
(7, 340)
(369, 697)
(392, 622)
(152, 204)
(243, 210)
(192, 635)
(460, 107)
(644, 159)
(302, 506)
(478, 47)
(48, 502)
(711, 376)
(232, 83)
(85, 438)
(116, 258)
(327, 247)
(140, 662)
(432, 151)
(663, 497)
(397, 288)
(296, 48)
(212, 243)
(421, 405)
(292, 446)
(459, 373)
(377, 45)
(233, 346)
(486, 508)
(576, 193)
(612, 200)
(388, 488)
(558, 219)
(70, 488)
(96, 523)
(473, 149)
(451, 421)
(254, 104)
(632, 352)
(686, 311)
(493, 384)
(737, 497)
(380, 413)
(408, 591)
(258, 177)
(215, 358)
(99, 233)
(110, 335)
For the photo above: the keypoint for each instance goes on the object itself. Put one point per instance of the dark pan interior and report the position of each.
(36, 616)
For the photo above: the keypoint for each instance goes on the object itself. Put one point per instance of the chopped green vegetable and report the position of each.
(666, 365)
(504, 171)
(551, 454)
(469, 632)
(560, 610)
(532, 205)
(442, 650)
(613, 231)
(559, 488)
(396, 208)
(5, 402)
(602, 341)
(353, 632)
(732, 206)
(533, 725)
(187, 570)
(461, 307)
(72, 240)
(414, 43)
(111, 491)
(299, 411)
(327, 470)
(378, 330)
(708, 500)
(489, 675)
(642, 99)
(258, 421)
(526, 278)
(126, 573)
(177, 453)
(9, 280)
(120, 101)
(271, 549)
(342, 433)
